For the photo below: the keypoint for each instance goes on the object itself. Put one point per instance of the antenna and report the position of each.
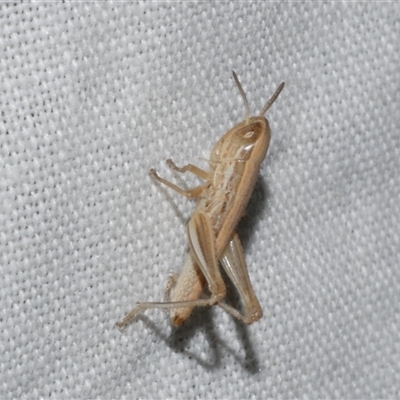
(243, 94)
(272, 99)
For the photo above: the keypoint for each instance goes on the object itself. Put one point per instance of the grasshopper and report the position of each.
(234, 167)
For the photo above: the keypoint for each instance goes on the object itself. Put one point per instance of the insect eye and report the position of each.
(248, 135)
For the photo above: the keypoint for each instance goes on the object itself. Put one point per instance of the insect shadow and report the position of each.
(202, 319)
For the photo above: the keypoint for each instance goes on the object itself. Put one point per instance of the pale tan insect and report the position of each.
(222, 199)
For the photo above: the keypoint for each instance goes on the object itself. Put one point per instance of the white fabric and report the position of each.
(93, 95)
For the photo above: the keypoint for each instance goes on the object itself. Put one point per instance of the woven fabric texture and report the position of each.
(93, 95)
